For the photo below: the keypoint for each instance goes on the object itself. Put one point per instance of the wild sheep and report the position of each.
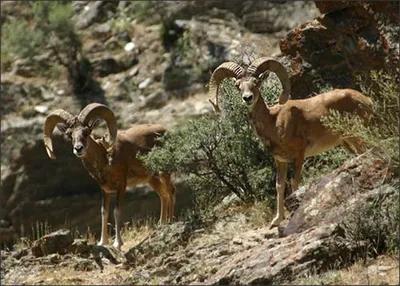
(114, 166)
(291, 130)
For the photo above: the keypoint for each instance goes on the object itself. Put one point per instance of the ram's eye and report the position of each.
(68, 133)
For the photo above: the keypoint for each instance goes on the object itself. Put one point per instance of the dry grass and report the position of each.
(111, 275)
(66, 275)
(134, 234)
(384, 270)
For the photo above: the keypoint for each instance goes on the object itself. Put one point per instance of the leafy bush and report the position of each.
(316, 166)
(20, 39)
(217, 155)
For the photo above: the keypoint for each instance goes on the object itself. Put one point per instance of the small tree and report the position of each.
(49, 25)
(218, 155)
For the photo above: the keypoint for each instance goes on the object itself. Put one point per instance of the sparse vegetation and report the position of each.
(49, 25)
(373, 227)
(380, 271)
(40, 229)
(142, 9)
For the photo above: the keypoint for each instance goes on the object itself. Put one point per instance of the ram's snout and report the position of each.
(248, 98)
(79, 150)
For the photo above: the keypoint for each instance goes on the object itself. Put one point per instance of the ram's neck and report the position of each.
(263, 122)
(95, 160)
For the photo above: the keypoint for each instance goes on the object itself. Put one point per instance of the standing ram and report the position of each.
(113, 165)
(291, 130)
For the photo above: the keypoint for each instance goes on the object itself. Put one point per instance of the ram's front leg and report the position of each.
(105, 210)
(118, 216)
(281, 169)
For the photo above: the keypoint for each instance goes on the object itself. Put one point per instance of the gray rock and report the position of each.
(156, 99)
(319, 50)
(144, 84)
(42, 109)
(20, 253)
(55, 242)
(93, 12)
(81, 247)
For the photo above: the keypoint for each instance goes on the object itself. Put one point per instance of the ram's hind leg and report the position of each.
(118, 216)
(281, 169)
(170, 191)
(156, 183)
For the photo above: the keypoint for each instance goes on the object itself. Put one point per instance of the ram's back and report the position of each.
(140, 138)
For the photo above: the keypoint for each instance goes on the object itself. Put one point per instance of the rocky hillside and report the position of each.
(318, 238)
(138, 77)
(151, 62)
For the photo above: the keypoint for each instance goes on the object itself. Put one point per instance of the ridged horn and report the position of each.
(224, 70)
(96, 110)
(263, 64)
(55, 117)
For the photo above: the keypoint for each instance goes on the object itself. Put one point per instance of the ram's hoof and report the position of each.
(275, 222)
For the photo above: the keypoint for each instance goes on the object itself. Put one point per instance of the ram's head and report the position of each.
(249, 81)
(78, 128)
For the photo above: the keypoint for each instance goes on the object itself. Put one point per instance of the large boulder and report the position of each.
(348, 40)
(55, 242)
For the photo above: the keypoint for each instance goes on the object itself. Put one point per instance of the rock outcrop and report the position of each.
(313, 237)
(348, 40)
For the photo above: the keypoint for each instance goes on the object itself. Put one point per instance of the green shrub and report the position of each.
(217, 155)
(19, 39)
(142, 9)
(40, 229)
(321, 164)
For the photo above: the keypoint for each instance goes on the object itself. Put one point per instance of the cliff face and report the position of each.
(349, 39)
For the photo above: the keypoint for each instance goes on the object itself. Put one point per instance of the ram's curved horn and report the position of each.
(224, 70)
(261, 65)
(94, 111)
(55, 117)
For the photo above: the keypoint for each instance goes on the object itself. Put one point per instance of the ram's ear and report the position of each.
(62, 127)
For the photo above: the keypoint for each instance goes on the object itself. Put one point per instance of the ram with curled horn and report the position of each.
(291, 130)
(112, 164)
